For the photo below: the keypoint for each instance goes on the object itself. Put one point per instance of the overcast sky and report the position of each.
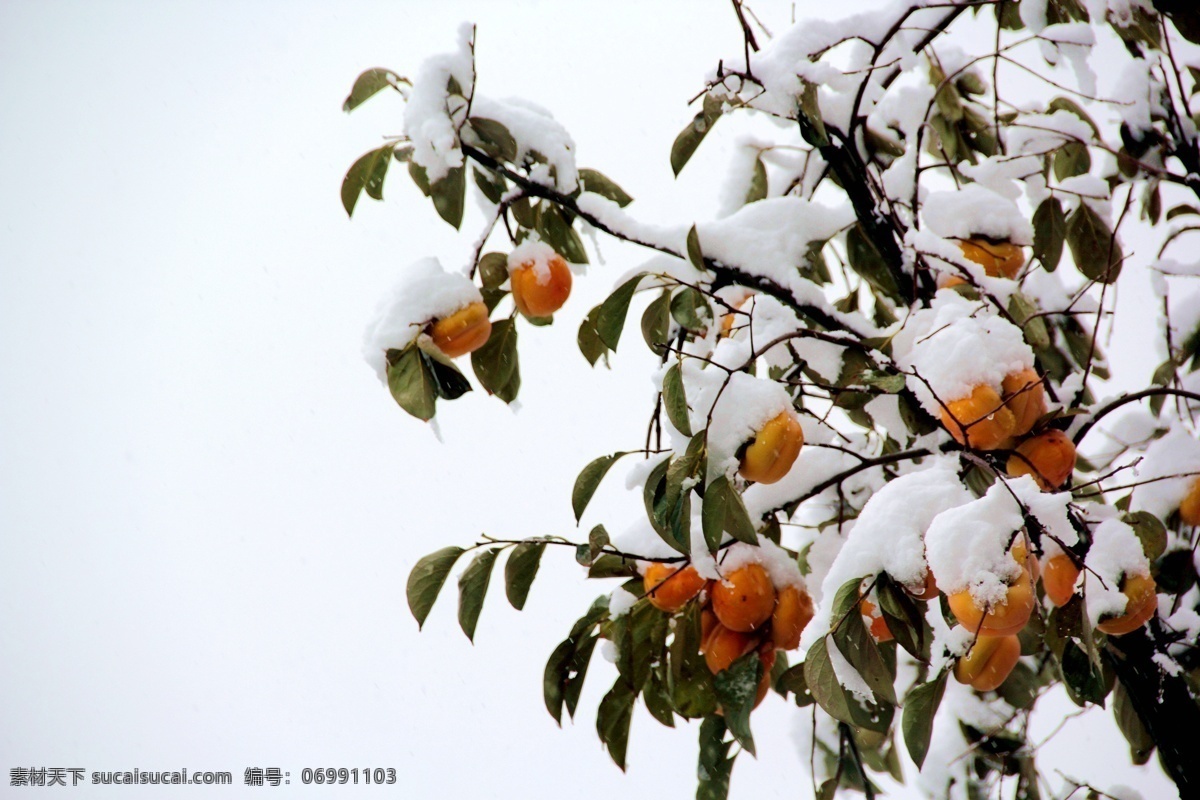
(209, 505)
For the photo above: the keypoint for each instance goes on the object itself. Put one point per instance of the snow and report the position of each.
(741, 408)
(968, 546)
(976, 211)
(1172, 463)
(889, 535)
(427, 116)
(425, 292)
(620, 601)
(535, 254)
(773, 558)
(955, 345)
(535, 131)
(1115, 551)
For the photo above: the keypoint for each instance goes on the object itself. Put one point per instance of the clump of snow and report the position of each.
(1116, 551)
(968, 546)
(771, 237)
(427, 116)
(976, 211)
(1172, 464)
(741, 409)
(425, 292)
(773, 558)
(535, 130)
(889, 535)
(955, 345)
(620, 601)
(535, 254)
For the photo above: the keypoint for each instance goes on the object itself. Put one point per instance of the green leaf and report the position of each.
(472, 587)
(1049, 233)
(654, 490)
(411, 383)
(1070, 106)
(520, 571)
(555, 676)
(1150, 531)
(426, 580)
(612, 721)
(658, 702)
(448, 382)
(715, 764)
(493, 270)
(1141, 743)
(419, 177)
(737, 519)
(736, 688)
(496, 364)
(1020, 688)
(367, 173)
(578, 666)
(675, 400)
(866, 261)
(690, 682)
(449, 195)
(694, 253)
(369, 83)
(588, 481)
(904, 619)
(495, 138)
(813, 127)
(656, 322)
(758, 183)
(1096, 251)
(1024, 312)
(558, 233)
(597, 541)
(610, 566)
(793, 681)
(611, 319)
(1070, 160)
(859, 648)
(590, 344)
(597, 183)
(690, 137)
(822, 682)
(491, 184)
(1181, 210)
(691, 310)
(920, 706)
(714, 510)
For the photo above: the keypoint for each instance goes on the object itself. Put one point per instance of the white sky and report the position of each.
(209, 505)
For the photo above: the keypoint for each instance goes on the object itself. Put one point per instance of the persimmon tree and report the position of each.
(860, 473)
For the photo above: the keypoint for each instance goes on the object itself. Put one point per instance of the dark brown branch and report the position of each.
(1130, 398)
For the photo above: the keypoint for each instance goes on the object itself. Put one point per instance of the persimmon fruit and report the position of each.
(793, 611)
(878, 625)
(980, 420)
(1001, 619)
(774, 449)
(539, 292)
(1189, 509)
(988, 663)
(669, 588)
(745, 599)
(1025, 396)
(462, 332)
(998, 259)
(723, 646)
(1058, 578)
(1049, 458)
(1141, 601)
